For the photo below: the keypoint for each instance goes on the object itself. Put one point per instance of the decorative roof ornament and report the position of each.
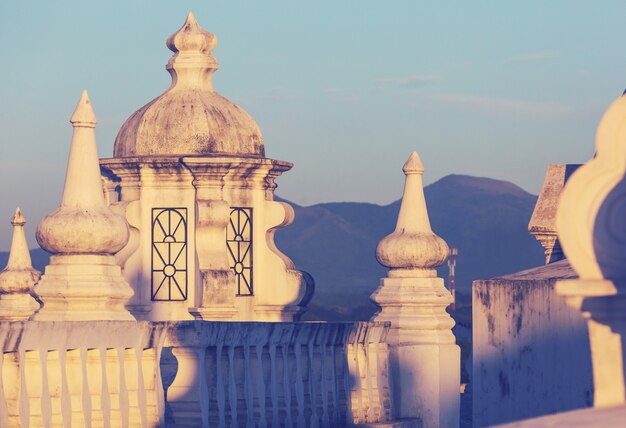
(192, 65)
(18, 278)
(83, 224)
(83, 281)
(412, 247)
(190, 118)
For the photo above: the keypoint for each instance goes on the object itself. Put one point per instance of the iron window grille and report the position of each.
(169, 254)
(239, 242)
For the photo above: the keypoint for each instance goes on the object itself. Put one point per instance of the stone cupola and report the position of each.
(190, 176)
(190, 118)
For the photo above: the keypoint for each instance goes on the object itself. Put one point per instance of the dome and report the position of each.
(190, 118)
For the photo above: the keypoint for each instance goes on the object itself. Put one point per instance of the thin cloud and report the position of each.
(418, 80)
(533, 57)
(503, 105)
(415, 81)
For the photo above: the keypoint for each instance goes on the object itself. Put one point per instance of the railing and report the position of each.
(105, 373)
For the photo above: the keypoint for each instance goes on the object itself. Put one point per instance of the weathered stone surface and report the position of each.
(531, 353)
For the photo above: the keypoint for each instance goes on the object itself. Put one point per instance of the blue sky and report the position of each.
(345, 90)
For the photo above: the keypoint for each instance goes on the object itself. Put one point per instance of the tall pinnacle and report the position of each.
(83, 223)
(83, 281)
(18, 278)
(413, 245)
(19, 257)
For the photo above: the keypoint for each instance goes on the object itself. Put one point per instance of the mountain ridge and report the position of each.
(486, 219)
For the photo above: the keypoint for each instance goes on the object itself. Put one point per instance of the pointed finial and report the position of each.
(192, 64)
(412, 246)
(191, 38)
(84, 115)
(19, 256)
(18, 278)
(413, 165)
(18, 218)
(83, 224)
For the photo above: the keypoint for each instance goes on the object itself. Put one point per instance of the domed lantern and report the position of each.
(190, 175)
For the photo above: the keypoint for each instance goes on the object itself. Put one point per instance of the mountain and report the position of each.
(485, 219)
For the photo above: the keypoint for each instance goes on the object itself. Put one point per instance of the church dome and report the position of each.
(190, 118)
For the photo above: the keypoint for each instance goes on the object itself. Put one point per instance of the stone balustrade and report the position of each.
(193, 373)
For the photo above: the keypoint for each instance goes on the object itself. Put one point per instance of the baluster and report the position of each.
(286, 386)
(325, 417)
(261, 387)
(141, 387)
(335, 387)
(232, 387)
(220, 387)
(299, 385)
(158, 378)
(86, 397)
(66, 400)
(353, 381)
(24, 405)
(204, 387)
(273, 386)
(369, 411)
(123, 391)
(105, 402)
(46, 401)
(248, 388)
(380, 384)
(312, 392)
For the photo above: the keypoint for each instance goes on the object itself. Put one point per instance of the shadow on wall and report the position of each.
(531, 352)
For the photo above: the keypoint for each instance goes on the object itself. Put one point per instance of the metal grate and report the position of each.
(169, 254)
(239, 242)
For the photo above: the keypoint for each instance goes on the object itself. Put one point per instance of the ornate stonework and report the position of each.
(190, 118)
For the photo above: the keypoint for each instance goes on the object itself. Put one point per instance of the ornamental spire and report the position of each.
(192, 64)
(83, 183)
(412, 246)
(19, 256)
(82, 280)
(18, 278)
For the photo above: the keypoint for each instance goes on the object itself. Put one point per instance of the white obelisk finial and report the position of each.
(412, 247)
(83, 281)
(18, 278)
